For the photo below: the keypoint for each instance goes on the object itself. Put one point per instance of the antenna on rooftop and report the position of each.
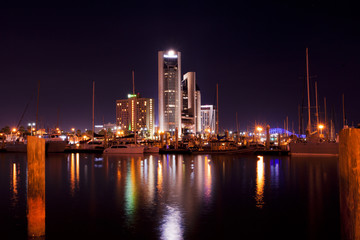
(133, 81)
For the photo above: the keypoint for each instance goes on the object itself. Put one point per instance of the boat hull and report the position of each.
(309, 148)
(132, 150)
(55, 146)
(16, 147)
(151, 150)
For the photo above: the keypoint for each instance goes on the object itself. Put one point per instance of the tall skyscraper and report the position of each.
(169, 70)
(136, 113)
(191, 98)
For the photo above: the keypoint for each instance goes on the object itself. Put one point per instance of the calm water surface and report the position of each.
(176, 197)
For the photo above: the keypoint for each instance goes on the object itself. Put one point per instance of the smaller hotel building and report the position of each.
(208, 118)
(136, 113)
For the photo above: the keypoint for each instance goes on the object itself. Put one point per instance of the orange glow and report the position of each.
(36, 187)
(259, 129)
(260, 182)
(36, 217)
(77, 170)
(207, 177)
(321, 126)
(160, 177)
(15, 191)
(72, 174)
(118, 174)
(14, 130)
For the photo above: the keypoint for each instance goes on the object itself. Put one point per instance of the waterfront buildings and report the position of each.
(136, 113)
(107, 126)
(208, 118)
(169, 90)
(191, 102)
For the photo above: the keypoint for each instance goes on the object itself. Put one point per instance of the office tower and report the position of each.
(198, 110)
(169, 70)
(136, 113)
(208, 116)
(191, 99)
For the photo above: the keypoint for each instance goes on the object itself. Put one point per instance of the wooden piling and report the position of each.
(176, 137)
(267, 137)
(36, 186)
(349, 170)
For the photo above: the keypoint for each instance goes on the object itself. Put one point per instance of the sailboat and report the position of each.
(53, 142)
(314, 144)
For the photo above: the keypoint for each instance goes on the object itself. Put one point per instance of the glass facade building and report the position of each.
(169, 92)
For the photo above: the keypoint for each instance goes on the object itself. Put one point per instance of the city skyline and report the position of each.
(258, 60)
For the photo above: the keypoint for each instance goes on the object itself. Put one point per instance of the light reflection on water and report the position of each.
(179, 196)
(14, 184)
(172, 226)
(260, 182)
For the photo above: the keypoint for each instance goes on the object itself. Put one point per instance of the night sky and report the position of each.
(255, 51)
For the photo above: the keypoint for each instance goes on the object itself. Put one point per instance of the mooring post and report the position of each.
(176, 137)
(349, 170)
(36, 186)
(267, 137)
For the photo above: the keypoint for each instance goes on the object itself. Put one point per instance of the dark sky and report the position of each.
(255, 51)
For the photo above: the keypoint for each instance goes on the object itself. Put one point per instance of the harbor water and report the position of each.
(94, 196)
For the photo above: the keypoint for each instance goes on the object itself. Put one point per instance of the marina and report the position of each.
(180, 120)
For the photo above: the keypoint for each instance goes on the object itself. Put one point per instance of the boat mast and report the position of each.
(93, 111)
(343, 105)
(37, 108)
(325, 120)
(237, 128)
(134, 115)
(217, 109)
(308, 90)
(299, 120)
(133, 81)
(237, 125)
(317, 108)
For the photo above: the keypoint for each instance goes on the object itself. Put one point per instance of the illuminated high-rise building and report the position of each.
(170, 103)
(191, 104)
(136, 113)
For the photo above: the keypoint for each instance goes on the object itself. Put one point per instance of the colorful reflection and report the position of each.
(207, 178)
(77, 176)
(274, 173)
(174, 197)
(130, 190)
(260, 182)
(159, 177)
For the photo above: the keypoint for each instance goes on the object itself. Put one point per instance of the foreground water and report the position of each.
(176, 197)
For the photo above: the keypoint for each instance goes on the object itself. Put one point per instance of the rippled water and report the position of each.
(176, 197)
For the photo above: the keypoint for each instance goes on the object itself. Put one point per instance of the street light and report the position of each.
(259, 129)
(321, 128)
(13, 131)
(29, 124)
(73, 130)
